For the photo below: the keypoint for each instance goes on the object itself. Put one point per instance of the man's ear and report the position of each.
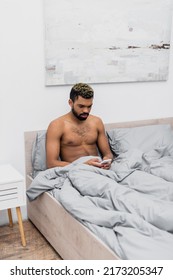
(70, 102)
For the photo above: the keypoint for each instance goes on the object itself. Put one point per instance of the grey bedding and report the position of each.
(130, 207)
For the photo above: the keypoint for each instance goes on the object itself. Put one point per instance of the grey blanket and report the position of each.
(130, 207)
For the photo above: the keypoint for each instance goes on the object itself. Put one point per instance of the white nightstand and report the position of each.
(12, 194)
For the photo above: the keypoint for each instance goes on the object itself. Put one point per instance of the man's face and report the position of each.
(81, 107)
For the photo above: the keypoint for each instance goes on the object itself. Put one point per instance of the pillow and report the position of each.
(144, 138)
(39, 153)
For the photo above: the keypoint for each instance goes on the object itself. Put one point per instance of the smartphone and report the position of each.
(106, 161)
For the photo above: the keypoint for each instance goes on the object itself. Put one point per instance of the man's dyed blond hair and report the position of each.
(82, 90)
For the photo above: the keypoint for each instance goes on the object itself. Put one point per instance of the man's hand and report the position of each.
(97, 163)
(94, 162)
(106, 165)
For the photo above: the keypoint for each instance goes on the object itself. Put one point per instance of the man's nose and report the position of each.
(86, 110)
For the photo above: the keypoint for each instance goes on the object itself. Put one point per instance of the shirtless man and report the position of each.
(77, 133)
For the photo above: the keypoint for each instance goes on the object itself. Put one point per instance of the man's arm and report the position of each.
(53, 136)
(102, 143)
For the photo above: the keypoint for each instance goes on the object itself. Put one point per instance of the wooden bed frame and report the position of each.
(69, 237)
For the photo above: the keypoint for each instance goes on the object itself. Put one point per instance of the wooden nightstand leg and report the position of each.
(10, 217)
(19, 215)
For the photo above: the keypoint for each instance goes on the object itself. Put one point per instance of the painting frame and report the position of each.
(106, 41)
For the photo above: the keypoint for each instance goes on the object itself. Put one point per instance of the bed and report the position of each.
(72, 238)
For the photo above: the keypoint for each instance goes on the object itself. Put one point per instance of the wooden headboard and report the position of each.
(29, 137)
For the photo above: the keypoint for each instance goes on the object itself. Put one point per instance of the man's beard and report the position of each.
(81, 117)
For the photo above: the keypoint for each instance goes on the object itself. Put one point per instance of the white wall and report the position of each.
(26, 104)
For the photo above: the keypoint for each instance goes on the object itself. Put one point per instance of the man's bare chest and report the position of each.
(78, 135)
(82, 131)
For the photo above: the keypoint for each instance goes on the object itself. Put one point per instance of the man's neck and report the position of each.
(75, 120)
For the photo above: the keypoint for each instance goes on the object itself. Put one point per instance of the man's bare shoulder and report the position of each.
(58, 122)
(97, 120)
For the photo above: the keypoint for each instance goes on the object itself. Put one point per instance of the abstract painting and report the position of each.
(107, 41)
